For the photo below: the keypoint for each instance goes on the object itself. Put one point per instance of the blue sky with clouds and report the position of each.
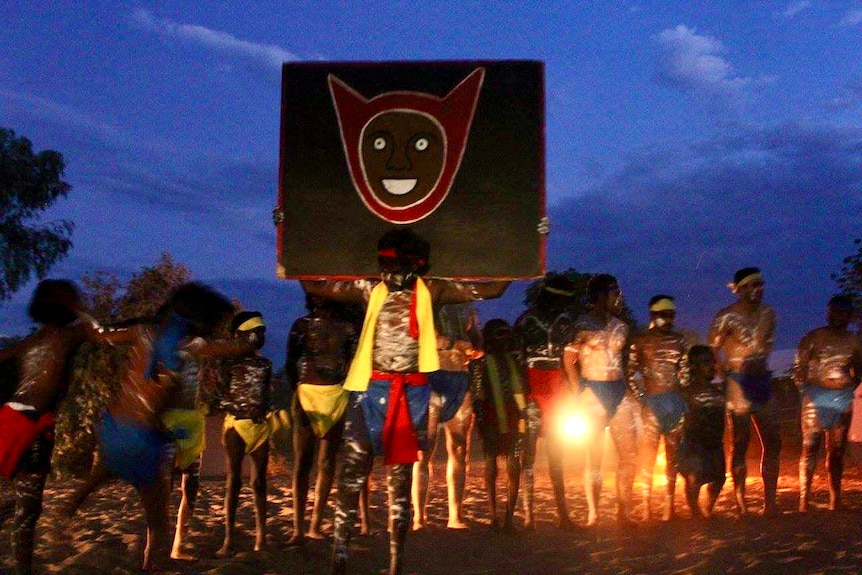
(684, 139)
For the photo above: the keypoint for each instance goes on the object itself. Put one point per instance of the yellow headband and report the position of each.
(557, 291)
(251, 323)
(664, 304)
(745, 281)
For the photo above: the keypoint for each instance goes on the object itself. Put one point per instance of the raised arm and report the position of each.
(200, 348)
(450, 291)
(351, 291)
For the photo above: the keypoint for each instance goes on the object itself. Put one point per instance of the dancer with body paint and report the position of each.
(27, 419)
(700, 459)
(319, 348)
(134, 443)
(450, 407)
(742, 335)
(499, 389)
(659, 356)
(247, 426)
(387, 413)
(593, 363)
(542, 333)
(827, 369)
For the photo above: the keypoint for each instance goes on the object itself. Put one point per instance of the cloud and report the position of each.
(795, 8)
(682, 218)
(267, 55)
(695, 63)
(851, 18)
(66, 116)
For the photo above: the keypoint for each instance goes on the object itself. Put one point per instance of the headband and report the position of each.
(664, 304)
(250, 324)
(745, 281)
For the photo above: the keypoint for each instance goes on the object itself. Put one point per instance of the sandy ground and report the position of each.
(108, 534)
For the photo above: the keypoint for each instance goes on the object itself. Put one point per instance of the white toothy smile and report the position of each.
(399, 186)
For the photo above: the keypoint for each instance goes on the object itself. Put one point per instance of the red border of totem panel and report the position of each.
(453, 150)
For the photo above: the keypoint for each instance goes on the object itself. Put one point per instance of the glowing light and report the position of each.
(574, 427)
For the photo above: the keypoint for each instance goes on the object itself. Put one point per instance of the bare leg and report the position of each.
(836, 442)
(98, 475)
(155, 501)
(593, 468)
(672, 441)
(647, 452)
(767, 424)
(190, 486)
(692, 495)
(356, 460)
(28, 508)
(811, 435)
(528, 456)
(491, 488)
(555, 470)
(513, 473)
(234, 453)
(259, 460)
(624, 431)
(398, 483)
(741, 432)
(457, 433)
(713, 489)
(422, 468)
(303, 458)
(327, 448)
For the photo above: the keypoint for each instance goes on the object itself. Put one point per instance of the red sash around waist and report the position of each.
(398, 423)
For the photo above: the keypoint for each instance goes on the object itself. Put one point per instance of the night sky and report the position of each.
(682, 142)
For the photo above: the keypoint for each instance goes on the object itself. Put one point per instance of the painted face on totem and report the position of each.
(402, 157)
(403, 149)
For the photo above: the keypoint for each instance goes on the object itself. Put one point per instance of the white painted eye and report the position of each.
(421, 144)
(379, 143)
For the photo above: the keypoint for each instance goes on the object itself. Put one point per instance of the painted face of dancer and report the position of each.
(614, 300)
(702, 367)
(751, 292)
(397, 271)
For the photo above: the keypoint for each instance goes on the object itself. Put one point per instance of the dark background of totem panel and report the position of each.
(486, 227)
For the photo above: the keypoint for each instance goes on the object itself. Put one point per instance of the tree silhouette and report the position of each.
(29, 184)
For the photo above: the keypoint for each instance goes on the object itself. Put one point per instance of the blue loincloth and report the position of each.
(668, 408)
(135, 454)
(609, 393)
(830, 404)
(758, 389)
(452, 387)
(375, 403)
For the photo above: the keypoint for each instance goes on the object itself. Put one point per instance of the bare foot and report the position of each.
(225, 551)
(178, 555)
(418, 526)
(317, 535)
(297, 540)
(260, 545)
(456, 524)
(565, 524)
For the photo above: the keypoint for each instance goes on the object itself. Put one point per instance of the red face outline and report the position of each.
(404, 149)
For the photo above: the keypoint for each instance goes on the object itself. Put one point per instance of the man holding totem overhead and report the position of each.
(383, 146)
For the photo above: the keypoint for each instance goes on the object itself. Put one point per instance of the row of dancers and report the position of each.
(385, 389)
